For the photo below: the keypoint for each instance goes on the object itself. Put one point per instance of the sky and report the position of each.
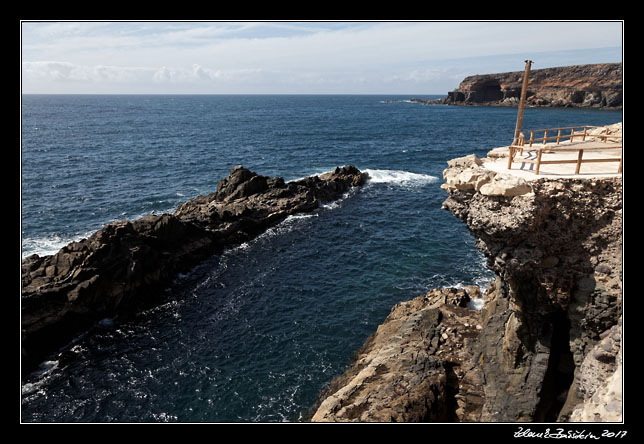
(290, 57)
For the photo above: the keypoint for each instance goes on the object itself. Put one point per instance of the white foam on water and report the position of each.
(398, 177)
(338, 202)
(288, 224)
(48, 245)
(51, 244)
(331, 205)
(476, 303)
(45, 369)
(284, 226)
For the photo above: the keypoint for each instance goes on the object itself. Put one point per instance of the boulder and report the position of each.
(505, 185)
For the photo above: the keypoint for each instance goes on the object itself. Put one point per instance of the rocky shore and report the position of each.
(126, 266)
(595, 86)
(545, 347)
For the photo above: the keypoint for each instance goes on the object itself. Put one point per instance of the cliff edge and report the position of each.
(545, 347)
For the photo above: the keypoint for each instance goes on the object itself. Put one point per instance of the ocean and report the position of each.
(255, 333)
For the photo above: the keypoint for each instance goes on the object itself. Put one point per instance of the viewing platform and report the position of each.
(562, 152)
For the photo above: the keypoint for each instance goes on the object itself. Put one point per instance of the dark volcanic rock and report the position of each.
(125, 266)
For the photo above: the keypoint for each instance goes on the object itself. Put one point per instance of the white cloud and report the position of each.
(65, 71)
(198, 73)
(278, 54)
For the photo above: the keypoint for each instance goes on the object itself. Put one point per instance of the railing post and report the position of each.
(581, 153)
(536, 170)
(524, 92)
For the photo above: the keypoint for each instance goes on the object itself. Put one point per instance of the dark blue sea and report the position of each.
(253, 334)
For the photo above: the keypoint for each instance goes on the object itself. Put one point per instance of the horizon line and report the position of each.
(228, 94)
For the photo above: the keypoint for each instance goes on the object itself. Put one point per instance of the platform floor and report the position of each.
(499, 162)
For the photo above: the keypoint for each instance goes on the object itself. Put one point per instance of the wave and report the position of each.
(42, 376)
(48, 245)
(52, 243)
(397, 177)
(385, 176)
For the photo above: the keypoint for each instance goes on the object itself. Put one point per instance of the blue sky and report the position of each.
(398, 57)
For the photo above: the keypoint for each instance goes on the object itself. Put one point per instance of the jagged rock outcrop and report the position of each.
(594, 85)
(549, 343)
(411, 369)
(126, 265)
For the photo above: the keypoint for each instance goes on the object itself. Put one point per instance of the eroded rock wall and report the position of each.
(411, 369)
(557, 251)
(549, 335)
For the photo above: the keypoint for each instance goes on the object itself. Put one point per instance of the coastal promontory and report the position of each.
(125, 266)
(546, 345)
(593, 86)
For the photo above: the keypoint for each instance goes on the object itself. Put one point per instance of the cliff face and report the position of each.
(126, 265)
(557, 250)
(597, 85)
(411, 369)
(549, 335)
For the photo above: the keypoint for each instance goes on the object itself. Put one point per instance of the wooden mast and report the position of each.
(524, 92)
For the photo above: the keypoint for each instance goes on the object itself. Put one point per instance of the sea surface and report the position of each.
(253, 334)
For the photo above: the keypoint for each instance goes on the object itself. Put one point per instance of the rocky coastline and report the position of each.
(125, 266)
(545, 347)
(581, 86)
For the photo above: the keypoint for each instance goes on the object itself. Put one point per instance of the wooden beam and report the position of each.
(579, 156)
(524, 92)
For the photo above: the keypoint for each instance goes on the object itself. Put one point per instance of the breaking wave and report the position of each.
(397, 177)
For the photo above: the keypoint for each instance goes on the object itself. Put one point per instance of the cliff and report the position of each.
(125, 266)
(546, 345)
(596, 85)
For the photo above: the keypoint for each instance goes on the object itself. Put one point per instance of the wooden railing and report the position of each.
(572, 136)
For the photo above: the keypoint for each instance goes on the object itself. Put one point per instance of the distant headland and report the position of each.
(592, 86)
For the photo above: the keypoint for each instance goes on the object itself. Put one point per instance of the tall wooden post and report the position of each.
(524, 92)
